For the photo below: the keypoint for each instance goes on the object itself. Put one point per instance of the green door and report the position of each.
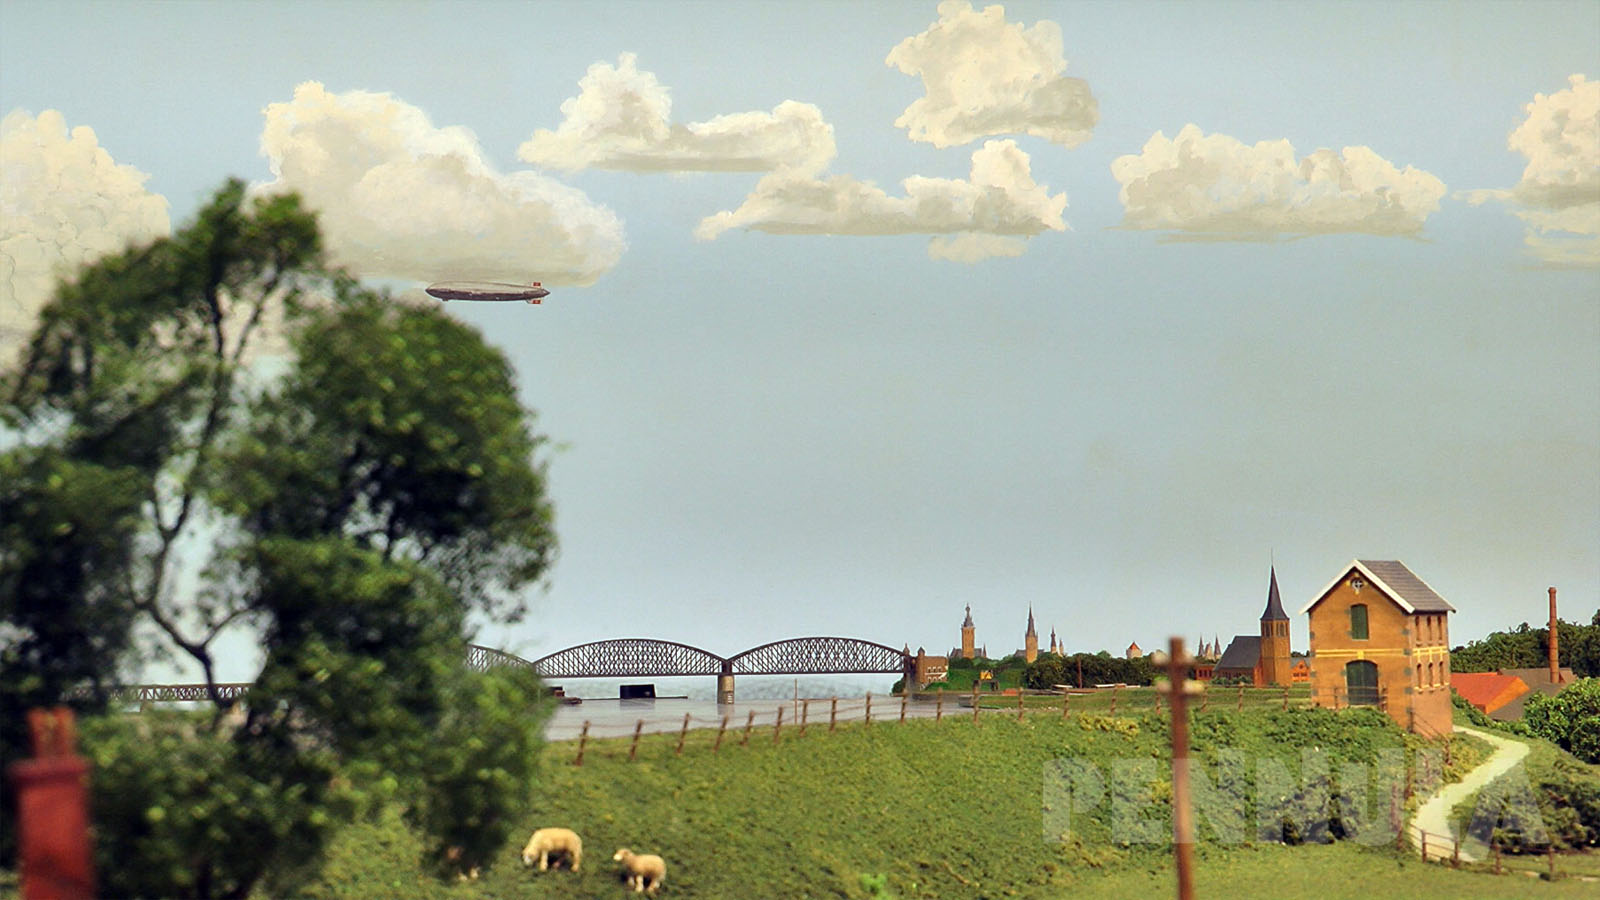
(1361, 683)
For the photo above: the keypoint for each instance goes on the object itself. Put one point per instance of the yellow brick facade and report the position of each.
(1411, 652)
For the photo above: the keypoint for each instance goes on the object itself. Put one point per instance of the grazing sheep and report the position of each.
(642, 869)
(550, 842)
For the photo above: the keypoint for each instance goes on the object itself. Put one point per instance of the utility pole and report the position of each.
(1179, 688)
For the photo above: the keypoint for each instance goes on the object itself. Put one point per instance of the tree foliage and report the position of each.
(358, 512)
(1525, 647)
(1570, 719)
(1098, 668)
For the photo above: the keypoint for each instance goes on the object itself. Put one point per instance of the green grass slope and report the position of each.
(922, 810)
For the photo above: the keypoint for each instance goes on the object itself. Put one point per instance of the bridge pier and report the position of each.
(725, 687)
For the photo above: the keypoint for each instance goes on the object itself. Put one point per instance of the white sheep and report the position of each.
(550, 842)
(642, 869)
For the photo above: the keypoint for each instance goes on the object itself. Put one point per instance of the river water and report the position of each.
(815, 699)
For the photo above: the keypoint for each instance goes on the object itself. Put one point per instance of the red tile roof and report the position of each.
(1487, 691)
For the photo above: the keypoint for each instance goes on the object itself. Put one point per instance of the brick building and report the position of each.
(1262, 658)
(1381, 637)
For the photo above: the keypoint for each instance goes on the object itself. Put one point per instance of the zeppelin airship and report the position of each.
(486, 290)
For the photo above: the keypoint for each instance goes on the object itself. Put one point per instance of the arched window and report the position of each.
(1358, 621)
(1361, 682)
(1431, 681)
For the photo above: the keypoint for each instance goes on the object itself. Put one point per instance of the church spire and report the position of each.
(1030, 632)
(967, 623)
(1274, 612)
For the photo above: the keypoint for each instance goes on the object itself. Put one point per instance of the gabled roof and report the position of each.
(1488, 691)
(1274, 611)
(1243, 653)
(1397, 582)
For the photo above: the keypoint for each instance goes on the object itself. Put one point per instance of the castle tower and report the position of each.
(969, 635)
(1030, 639)
(1274, 638)
(1054, 647)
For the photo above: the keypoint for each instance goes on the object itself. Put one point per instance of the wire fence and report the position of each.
(652, 734)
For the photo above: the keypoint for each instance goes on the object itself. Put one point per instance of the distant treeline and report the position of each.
(1525, 647)
(1097, 668)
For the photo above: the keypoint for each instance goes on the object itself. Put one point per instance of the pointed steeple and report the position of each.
(1030, 632)
(967, 623)
(1274, 611)
(1052, 639)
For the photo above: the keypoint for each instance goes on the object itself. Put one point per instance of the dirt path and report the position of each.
(1433, 817)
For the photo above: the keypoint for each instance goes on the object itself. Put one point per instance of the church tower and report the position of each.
(1274, 638)
(1030, 639)
(969, 636)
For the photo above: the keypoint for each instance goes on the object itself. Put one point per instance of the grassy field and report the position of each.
(919, 810)
(1135, 699)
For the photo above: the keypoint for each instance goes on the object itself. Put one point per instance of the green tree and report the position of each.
(1570, 719)
(359, 511)
(1525, 647)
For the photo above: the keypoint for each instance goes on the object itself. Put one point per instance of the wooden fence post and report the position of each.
(938, 706)
(902, 709)
(833, 713)
(1205, 700)
(869, 707)
(683, 734)
(1019, 704)
(748, 723)
(1286, 697)
(805, 709)
(1066, 701)
(1241, 697)
(1455, 853)
(777, 726)
(1424, 836)
(634, 748)
(975, 705)
(720, 729)
(583, 738)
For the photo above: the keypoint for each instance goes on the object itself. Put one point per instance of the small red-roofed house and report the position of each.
(1488, 691)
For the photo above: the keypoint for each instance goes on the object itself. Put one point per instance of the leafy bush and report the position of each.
(1570, 719)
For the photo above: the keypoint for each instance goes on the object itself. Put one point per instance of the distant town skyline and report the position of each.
(861, 313)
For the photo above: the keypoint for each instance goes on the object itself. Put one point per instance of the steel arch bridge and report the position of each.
(648, 657)
(635, 658)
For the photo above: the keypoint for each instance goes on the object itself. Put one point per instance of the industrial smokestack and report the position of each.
(1555, 665)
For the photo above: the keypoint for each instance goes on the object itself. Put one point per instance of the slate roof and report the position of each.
(1274, 605)
(1406, 585)
(1396, 581)
(1243, 653)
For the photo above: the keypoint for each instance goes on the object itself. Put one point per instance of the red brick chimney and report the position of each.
(1555, 665)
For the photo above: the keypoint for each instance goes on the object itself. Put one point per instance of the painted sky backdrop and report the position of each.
(865, 312)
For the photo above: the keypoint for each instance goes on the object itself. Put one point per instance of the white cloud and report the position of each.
(1214, 186)
(621, 120)
(1000, 199)
(400, 198)
(63, 202)
(1559, 193)
(984, 77)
